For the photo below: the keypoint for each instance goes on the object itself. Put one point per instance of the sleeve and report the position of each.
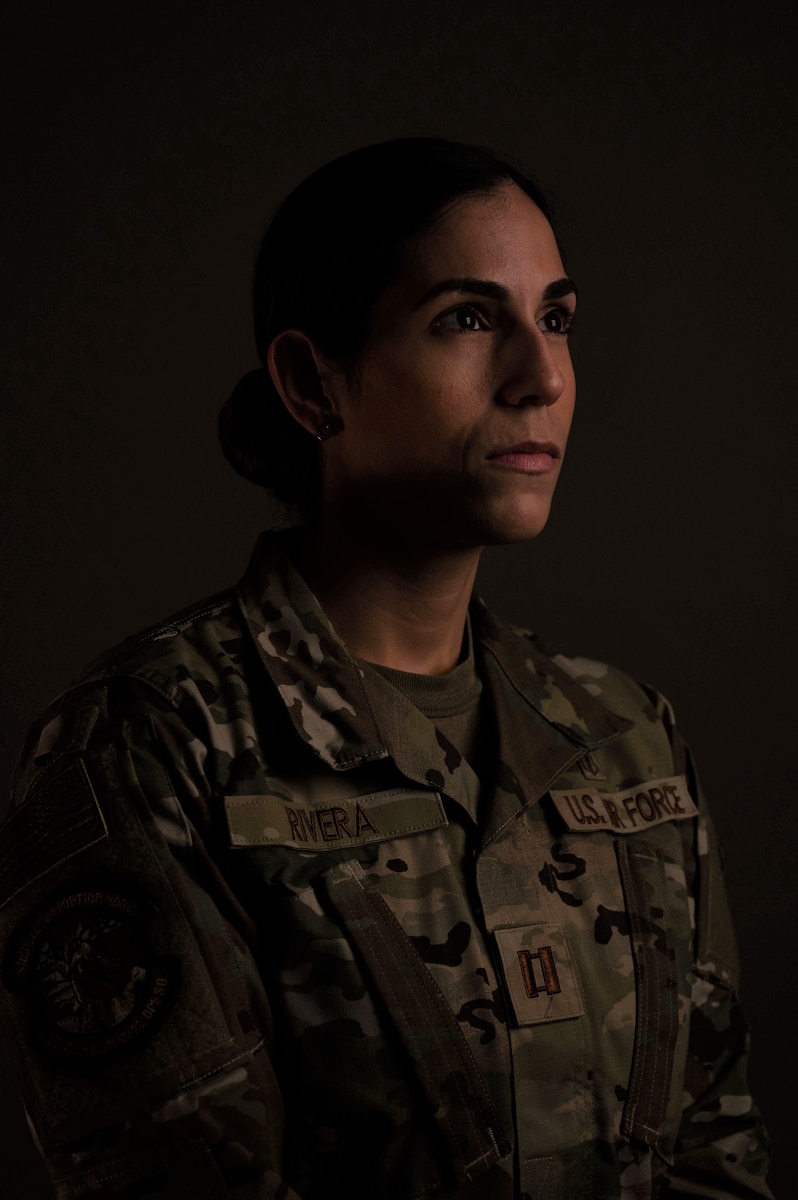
(722, 1149)
(131, 996)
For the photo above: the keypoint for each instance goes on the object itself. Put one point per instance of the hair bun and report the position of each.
(243, 427)
(263, 443)
(251, 387)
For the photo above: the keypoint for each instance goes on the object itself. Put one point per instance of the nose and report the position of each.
(536, 368)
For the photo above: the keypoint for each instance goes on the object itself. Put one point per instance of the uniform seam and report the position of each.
(174, 627)
(243, 1056)
(659, 978)
(113, 1170)
(630, 853)
(241, 987)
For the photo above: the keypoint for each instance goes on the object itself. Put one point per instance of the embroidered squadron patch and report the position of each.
(93, 983)
(584, 810)
(537, 970)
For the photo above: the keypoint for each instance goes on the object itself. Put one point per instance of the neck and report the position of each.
(404, 608)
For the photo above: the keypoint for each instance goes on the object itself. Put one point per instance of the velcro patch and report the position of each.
(538, 973)
(271, 820)
(586, 810)
(57, 821)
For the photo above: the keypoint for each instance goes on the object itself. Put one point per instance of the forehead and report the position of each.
(502, 236)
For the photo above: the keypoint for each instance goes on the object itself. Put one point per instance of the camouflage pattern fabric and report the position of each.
(266, 935)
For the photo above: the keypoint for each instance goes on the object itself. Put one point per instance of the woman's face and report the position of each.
(457, 421)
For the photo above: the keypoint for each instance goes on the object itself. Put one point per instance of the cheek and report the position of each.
(422, 404)
(567, 400)
(409, 398)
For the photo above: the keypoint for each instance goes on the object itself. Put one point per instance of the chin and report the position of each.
(509, 523)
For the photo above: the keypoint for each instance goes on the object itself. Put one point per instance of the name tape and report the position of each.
(584, 809)
(272, 820)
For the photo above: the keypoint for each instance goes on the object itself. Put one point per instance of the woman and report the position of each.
(336, 885)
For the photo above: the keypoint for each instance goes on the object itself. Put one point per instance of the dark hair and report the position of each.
(327, 256)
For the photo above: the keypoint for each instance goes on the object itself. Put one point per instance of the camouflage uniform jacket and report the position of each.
(264, 934)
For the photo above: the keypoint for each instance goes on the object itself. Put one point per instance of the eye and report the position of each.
(557, 320)
(463, 319)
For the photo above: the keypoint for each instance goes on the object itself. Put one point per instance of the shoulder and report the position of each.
(616, 688)
(203, 638)
(188, 670)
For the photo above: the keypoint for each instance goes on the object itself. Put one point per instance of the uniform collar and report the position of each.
(316, 677)
(339, 709)
(542, 682)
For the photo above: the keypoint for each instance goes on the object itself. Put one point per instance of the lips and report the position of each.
(534, 457)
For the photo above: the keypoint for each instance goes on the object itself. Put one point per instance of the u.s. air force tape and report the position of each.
(272, 820)
(585, 810)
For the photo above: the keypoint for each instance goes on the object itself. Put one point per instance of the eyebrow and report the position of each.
(495, 291)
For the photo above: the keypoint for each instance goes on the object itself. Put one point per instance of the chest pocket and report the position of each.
(654, 900)
(652, 910)
(593, 928)
(647, 824)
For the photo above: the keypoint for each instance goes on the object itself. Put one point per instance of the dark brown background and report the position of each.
(145, 146)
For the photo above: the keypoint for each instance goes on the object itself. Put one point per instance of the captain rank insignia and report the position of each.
(538, 974)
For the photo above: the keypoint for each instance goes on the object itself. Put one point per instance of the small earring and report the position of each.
(329, 428)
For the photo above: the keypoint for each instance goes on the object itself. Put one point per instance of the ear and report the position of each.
(299, 373)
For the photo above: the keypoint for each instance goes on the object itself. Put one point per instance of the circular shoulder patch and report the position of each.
(92, 980)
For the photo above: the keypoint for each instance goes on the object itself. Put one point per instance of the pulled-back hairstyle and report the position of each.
(329, 253)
